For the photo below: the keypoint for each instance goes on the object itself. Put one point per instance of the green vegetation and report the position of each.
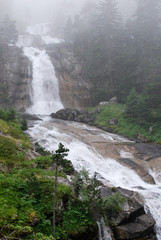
(88, 190)
(24, 126)
(27, 191)
(26, 204)
(42, 151)
(130, 126)
(14, 144)
(7, 114)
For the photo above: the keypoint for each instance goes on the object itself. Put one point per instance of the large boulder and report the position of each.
(28, 116)
(141, 139)
(113, 100)
(142, 226)
(131, 222)
(103, 103)
(74, 115)
(130, 210)
(113, 121)
(66, 114)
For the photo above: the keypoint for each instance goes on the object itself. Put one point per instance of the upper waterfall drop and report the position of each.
(45, 88)
(45, 96)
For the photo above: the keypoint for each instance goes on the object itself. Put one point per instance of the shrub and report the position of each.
(112, 203)
(8, 147)
(24, 126)
(43, 162)
(42, 151)
(76, 218)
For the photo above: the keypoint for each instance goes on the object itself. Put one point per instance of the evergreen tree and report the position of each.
(148, 20)
(116, 59)
(102, 69)
(107, 25)
(88, 8)
(132, 104)
(8, 31)
(136, 107)
(143, 113)
(146, 32)
(68, 30)
(11, 114)
(153, 94)
(88, 190)
(59, 156)
(24, 125)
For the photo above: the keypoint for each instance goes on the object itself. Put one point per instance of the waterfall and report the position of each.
(104, 232)
(45, 89)
(45, 99)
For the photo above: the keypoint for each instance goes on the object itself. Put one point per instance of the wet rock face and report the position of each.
(149, 154)
(15, 78)
(142, 226)
(74, 115)
(74, 89)
(30, 117)
(131, 209)
(132, 222)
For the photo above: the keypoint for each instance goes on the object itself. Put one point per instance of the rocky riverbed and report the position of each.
(85, 143)
(138, 156)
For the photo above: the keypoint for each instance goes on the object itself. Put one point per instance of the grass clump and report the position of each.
(127, 126)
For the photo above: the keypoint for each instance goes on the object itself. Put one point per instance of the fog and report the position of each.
(37, 11)
(44, 10)
(127, 8)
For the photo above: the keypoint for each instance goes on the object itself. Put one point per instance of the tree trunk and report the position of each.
(54, 205)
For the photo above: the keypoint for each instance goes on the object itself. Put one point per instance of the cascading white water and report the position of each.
(45, 89)
(104, 233)
(50, 132)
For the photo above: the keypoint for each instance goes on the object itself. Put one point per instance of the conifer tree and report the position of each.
(59, 155)
(132, 103)
(68, 30)
(146, 32)
(106, 25)
(8, 31)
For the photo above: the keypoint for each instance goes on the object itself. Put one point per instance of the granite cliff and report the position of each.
(15, 78)
(74, 88)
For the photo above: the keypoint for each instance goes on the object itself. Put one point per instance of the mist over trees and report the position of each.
(117, 56)
(30, 12)
(119, 50)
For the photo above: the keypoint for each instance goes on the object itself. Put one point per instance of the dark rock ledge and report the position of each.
(132, 222)
(82, 116)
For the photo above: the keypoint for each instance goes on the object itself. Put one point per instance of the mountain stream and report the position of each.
(78, 137)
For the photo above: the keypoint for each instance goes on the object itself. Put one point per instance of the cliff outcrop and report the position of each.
(15, 78)
(74, 88)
